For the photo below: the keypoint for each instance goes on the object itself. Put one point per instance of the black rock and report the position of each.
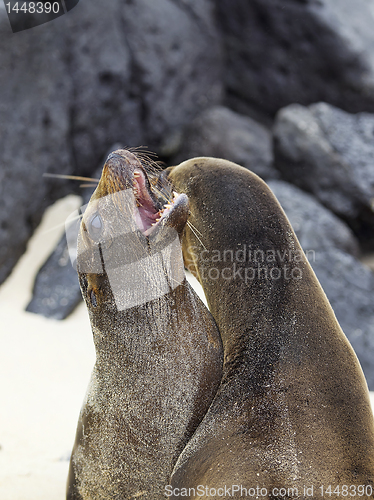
(329, 153)
(316, 227)
(34, 127)
(349, 286)
(103, 106)
(129, 72)
(222, 133)
(331, 249)
(304, 51)
(56, 289)
(177, 64)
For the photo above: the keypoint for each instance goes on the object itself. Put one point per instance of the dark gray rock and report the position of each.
(349, 286)
(34, 130)
(222, 133)
(331, 249)
(103, 106)
(304, 51)
(330, 153)
(129, 72)
(56, 289)
(316, 227)
(177, 63)
(140, 70)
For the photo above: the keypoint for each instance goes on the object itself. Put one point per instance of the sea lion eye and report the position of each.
(96, 226)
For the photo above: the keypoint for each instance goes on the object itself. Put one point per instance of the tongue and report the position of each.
(144, 218)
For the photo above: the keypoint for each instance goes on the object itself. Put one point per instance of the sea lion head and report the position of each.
(239, 243)
(127, 225)
(125, 188)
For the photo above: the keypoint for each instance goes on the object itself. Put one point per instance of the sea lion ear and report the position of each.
(164, 186)
(167, 171)
(164, 182)
(172, 225)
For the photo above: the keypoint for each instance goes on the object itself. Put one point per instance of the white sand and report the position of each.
(45, 366)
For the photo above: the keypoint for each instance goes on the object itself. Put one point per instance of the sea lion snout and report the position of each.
(145, 204)
(127, 233)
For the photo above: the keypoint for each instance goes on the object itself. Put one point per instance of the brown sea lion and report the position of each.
(158, 351)
(292, 417)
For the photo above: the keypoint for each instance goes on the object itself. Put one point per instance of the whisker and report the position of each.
(191, 225)
(193, 230)
(141, 150)
(145, 158)
(62, 224)
(71, 177)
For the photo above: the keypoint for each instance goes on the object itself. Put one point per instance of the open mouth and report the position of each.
(149, 212)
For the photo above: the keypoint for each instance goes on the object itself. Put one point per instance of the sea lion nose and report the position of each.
(114, 155)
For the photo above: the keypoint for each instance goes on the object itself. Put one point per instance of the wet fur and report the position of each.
(157, 368)
(293, 408)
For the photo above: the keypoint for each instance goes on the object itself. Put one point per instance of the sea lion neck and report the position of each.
(250, 275)
(147, 320)
(226, 247)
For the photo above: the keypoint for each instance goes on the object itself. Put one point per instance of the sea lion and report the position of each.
(292, 416)
(158, 350)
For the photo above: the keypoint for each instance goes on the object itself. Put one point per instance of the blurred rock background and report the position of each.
(283, 87)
